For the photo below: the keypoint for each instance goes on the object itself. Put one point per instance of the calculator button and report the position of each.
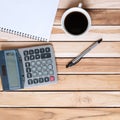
(32, 57)
(43, 62)
(28, 70)
(35, 74)
(38, 62)
(49, 61)
(36, 51)
(51, 72)
(41, 80)
(42, 50)
(31, 51)
(44, 67)
(46, 55)
(27, 64)
(35, 81)
(39, 68)
(45, 73)
(47, 49)
(33, 69)
(52, 78)
(30, 81)
(50, 67)
(37, 56)
(46, 79)
(25, 52)
(29, 75)
(33, 63)
(26, 58)
(40, 73)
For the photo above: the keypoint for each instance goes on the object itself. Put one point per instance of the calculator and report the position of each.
(28, 67)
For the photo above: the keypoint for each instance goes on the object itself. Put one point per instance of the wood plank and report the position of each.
(82, 82)
(59, 99)
(59, 113)
(66, 49)
(90, 66)
(72, 49)
(102, 4)
(98, 16)
(108, 33)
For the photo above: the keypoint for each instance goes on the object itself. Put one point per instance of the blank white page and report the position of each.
(33, 17)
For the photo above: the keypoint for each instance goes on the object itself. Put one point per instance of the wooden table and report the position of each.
(89, 90)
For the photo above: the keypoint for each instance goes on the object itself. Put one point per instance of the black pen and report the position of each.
(79, 57)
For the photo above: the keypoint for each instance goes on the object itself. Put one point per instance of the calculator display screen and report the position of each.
(12, 69)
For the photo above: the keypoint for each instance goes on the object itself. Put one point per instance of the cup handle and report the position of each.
(80, 5)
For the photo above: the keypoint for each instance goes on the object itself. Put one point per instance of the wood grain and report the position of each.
(99, 70)
(90, 66)
(73, 49)
(109, 4)
(81, 82)
(59, 114)
(66, 49)
(59, 99)
(98, 16)
(84, 82)
(108, 33)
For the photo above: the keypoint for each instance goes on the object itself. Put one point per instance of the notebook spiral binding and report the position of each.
(2, 29)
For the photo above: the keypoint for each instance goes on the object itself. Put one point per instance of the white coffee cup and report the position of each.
(76, 21)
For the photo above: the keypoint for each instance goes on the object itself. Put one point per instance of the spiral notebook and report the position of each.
(28, 18)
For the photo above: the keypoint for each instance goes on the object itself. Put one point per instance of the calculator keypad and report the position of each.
(40, 65)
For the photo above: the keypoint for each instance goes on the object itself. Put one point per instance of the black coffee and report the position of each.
(76, 23)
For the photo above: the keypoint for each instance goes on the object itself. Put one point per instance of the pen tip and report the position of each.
(67, 66)
(99, 41)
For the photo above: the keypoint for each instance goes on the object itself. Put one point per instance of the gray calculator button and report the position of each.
(36, 51)
(29, 75)
(49, 61)
(35, 81)
(42, 50)
(41, 80)
(25, 52)
(39, 68)
(44, 67)
(32, 57)
(34, 74)
(31, 51)
(30, 81)
(45, 73)
(33, 69)
(43, 62)
(51, 72)
(28, 70)
(47, 49)
(26, 58)
(39, 73)
(37, 56)
(33, 63)
(27, 64)
(46, 79)
(50, 67)
(46, 55)
(38, 62)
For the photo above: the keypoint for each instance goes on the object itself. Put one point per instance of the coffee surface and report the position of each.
(76, 23)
